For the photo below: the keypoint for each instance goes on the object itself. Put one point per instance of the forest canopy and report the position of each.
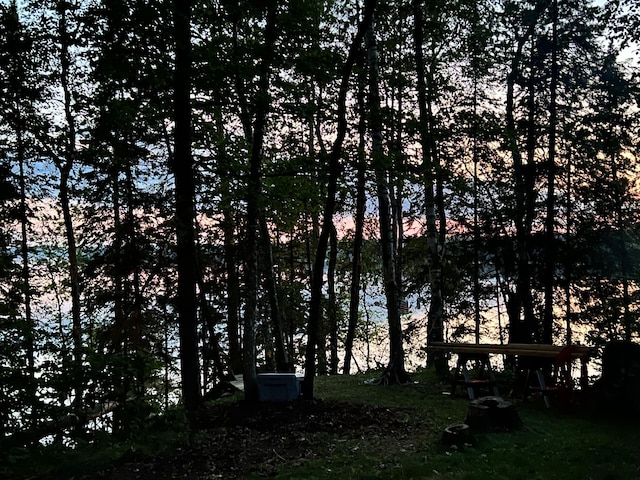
(195, 190)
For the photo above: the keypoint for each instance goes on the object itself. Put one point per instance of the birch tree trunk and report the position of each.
(395, 371)
(436, 314)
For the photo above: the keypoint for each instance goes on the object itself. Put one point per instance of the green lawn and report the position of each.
(405, 444)
(552, 444)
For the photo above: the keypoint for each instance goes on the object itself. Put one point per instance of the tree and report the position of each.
(231, 255)
(522, 327)
(395, 371)
(182, 166)
(330, 202)
(429, 166)
(62, 149)
(550, 240)
(499, 128)
(15, 379)
(254, 190)
(18, 95)
(124, 336)
(356, 267)
(604, 228)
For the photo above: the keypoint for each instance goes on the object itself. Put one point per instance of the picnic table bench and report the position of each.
(534, 355)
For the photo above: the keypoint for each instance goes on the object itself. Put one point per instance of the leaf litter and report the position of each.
(239, 439)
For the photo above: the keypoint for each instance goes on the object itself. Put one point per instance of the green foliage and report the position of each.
(121, 187)
(152, 435)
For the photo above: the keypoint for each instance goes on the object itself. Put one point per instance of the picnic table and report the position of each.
(533, 355)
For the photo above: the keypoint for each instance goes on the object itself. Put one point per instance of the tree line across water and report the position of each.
(173, 175)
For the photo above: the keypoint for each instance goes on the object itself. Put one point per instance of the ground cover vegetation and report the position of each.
(195, 190)
(356, 430)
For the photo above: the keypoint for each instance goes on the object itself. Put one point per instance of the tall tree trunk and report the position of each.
(550, 238)
(254, 193)
(75, 287)
(292, 276)
(395, 370)
(476, 54)
(623, 254)
(65, 166)
(568, 264)
(251, 282)
(282, 360)
(183, 171)
(396, 180)
(136, 318)
(233, 291)
(476, 224)
(330, 204)
(118, 333)
(247, 345)
(520, 328)
(436, 314)
(210, 322)
(29, 334)
(332, 307)
(514, 307)
(230, 254)
(529, 172)
(356, 266)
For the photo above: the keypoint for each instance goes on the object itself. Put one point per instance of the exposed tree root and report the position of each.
(394, 376)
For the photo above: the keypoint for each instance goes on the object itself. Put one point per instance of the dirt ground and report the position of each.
(237, 440)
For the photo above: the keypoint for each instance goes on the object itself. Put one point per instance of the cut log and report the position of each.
(478, 417)
(490, 414)
(457, 435)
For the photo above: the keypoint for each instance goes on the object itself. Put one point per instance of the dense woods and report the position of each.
(194, 190)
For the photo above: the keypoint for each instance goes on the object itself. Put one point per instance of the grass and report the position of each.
(552, 445)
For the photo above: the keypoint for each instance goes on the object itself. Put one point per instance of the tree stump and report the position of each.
(457, 435)
(487, 414)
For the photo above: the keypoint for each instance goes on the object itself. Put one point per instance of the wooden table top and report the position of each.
(523, 349)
